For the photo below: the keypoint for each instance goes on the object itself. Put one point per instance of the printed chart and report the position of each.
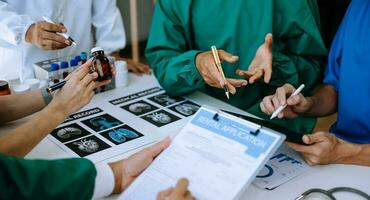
(100, 133)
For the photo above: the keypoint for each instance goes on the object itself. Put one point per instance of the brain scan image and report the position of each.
(87, 145)
(187, 109)
(165, 99)
(139, 107)
(68, 132)
(160, 117)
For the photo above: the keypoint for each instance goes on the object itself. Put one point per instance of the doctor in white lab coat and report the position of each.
(26, 39)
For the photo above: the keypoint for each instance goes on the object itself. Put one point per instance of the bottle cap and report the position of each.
(83, 55)
(21, 88)
(54, 67)
(78, 58)
(3, 85)
(73, 63)
(95, 49)
(64, 65)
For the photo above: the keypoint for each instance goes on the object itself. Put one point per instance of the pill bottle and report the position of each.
(73, 64)
(121, 74)
(79, 61)
(64, 69)
(4, 88)
(54, 73)
(101, 64)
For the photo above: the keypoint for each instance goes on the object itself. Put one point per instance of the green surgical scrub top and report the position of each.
(181, 29)
(41, 179)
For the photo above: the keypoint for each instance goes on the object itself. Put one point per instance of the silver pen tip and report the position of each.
(227, 95)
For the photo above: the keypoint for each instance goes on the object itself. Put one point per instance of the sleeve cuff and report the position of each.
(104, 181)
(193, 66)
(27, 23)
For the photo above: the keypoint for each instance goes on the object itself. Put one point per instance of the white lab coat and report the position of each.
(80, 17)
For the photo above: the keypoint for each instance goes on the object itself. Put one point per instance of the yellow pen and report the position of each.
(219, 68)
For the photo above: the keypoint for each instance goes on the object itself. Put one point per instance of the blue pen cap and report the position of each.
(78, 58)
(83, 56)
(73, 63)
(64, 65)
(54, 67)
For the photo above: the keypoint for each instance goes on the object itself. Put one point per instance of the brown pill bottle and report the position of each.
(101, 64)
(4, 88)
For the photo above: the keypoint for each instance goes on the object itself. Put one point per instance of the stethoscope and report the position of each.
(328, 194)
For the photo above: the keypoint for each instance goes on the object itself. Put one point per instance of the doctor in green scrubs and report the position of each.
(255, 62)
(74, 178)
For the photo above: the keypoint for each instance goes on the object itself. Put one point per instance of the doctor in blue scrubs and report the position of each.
(346, 90)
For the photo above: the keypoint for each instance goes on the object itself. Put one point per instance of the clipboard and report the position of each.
(291, 136)
(214, 150)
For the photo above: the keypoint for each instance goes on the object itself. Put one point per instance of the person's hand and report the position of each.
(180, 192)
(127, 170)
(78, 90)
(133, 66)
(296, 105)
(321, 148)
(261, 65)
(137, 67)
(44, 35)
(207, 68)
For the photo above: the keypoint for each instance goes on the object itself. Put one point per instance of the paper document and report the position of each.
(220, 156)
(283, 166)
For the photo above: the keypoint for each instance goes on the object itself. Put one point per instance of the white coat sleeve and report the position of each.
(13, 26)
(108, 23)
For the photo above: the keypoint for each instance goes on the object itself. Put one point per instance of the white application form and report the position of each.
(220, 156)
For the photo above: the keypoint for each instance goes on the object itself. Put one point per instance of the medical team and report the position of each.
(265, 58)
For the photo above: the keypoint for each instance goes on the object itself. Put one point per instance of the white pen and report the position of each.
(282, 107)
(65, 35)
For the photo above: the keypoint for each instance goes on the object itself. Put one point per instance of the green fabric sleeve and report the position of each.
(169, 55)
(299, 53)
(41, 179)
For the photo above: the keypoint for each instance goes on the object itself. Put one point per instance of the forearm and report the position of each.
(357, 154)
(178, 75)
(23, 139)
(20, 105)
(323, 103)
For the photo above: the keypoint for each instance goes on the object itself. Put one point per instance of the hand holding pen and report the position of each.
(212, 73)
(63, 34)
(77, 91)
(287, 102)
(47, 36)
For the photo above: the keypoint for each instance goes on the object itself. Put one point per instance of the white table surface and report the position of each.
(324, 177)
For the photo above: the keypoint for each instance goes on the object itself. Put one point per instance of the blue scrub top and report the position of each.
(349, 72)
